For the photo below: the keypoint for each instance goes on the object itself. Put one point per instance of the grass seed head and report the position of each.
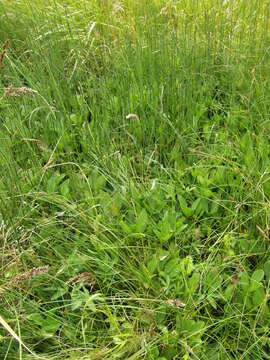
(11, 91)
(3, 52)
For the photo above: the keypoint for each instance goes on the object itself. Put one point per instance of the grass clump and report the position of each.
(134, 180)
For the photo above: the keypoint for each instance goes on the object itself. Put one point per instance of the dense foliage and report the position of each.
(134, 179)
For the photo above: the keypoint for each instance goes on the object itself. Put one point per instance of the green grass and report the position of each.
(135, 237)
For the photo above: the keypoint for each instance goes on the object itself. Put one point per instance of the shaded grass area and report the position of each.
(134, 180)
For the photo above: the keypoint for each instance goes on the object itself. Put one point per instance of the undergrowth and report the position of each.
(134, 180)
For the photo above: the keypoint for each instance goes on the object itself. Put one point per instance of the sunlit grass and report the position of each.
(134, 180)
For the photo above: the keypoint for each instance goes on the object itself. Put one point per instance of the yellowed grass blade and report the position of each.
(15, 336)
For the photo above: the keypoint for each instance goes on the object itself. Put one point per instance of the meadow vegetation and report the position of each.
(134, 179)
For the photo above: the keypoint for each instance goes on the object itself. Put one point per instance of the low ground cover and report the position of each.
(134, 180)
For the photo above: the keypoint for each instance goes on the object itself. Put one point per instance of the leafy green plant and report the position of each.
(134, 168)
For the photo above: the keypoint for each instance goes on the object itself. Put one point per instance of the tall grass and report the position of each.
(134, 179)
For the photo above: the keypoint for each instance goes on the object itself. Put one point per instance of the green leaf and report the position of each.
(214, 208)
(193, 283)
(82, 298)
(196, 206)
(152, 264)
(152, 353)
(212, 302)
(78, 298)
(229, 292)
(204, 205)
(125, 227)
(75, 263)
(171, 268)
(191, 330)
(53, 182)
(186, 265)
(64, 188)
(142, 221)
(61, 291)
(50, 326)
(167, 226)
(165, 234)
(244, 245)
(183, 205)
(258, 296)
(258, 275)
(244, 282)
(37, 318)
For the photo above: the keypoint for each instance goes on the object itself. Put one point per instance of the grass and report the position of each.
(134, 180)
